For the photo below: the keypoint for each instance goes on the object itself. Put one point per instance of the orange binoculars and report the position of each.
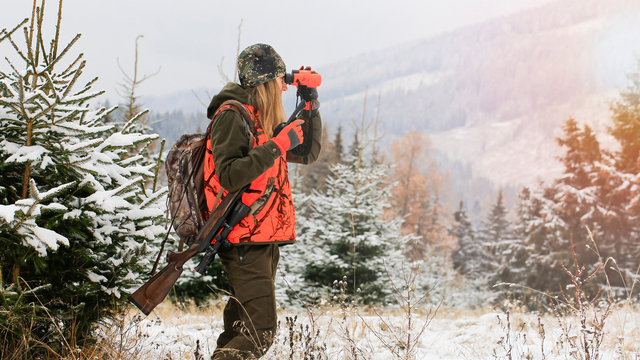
(308, 78)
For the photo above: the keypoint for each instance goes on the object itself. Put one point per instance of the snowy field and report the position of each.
(187, 332)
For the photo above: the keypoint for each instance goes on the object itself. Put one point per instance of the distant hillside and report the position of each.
(491, 96)
(494, 95)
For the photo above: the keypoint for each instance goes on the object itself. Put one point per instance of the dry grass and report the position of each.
(186, 331)
(578, 328)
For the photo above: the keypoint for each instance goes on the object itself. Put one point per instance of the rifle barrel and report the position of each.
(153, 292)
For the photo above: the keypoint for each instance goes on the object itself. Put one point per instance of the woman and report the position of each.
(249, 154)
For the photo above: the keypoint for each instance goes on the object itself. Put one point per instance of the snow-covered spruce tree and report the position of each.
(496, 234)
(626, 130)
(343, 233)
(513, 254)
(472, 258)
(550, 215)
(582, 197)
(496, 228)
(76, 216)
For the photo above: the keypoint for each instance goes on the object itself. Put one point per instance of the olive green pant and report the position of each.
(250, 315)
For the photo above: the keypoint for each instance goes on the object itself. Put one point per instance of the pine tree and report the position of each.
(575, 193)
(623, 183)
(584, 196)
(626, 127)
(343, 233)
(528, 258)
(131, 107)
(513, 253)
(496, 227)
(472, 258)
(290, 281)
(549, 217)
(338, 147)
(76, 218)
(496, 233)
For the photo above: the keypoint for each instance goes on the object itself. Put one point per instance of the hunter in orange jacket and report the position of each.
(237, 157)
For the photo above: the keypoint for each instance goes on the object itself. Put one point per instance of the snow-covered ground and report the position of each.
(187, 332)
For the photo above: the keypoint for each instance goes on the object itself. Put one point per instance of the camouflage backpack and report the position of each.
(185, 170)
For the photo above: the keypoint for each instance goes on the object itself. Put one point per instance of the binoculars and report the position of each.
(303, 77)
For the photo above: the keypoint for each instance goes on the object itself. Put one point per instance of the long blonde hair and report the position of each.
(267, 99)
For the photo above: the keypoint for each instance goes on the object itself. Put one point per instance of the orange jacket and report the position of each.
(275, 220)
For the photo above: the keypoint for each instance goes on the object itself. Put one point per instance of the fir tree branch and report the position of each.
(123, 188)
(22, 110)
(40, 114)
(8, 34)
(29, 38)
(36, 201)
(101, 116)
(76, 75)
(66, 118)
(53, 87)
(151, 199)
(17, 49)
(55, 41)
(39, 42)
(88, 87)
(198, 98)
(70, 67)
(129, 123)
(63, 53)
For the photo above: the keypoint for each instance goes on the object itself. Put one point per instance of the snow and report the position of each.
(27, 153)
(9, 147)
(8, 212)
(46, 161)
(41, 238)
(175, 332)
(73, 214)
(117, 262)
(50, 237)
(111, 291)
(95, 277)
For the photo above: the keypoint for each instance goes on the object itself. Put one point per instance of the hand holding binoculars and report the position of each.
(306, 81)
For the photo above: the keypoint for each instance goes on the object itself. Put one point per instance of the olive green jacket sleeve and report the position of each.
(237, 163)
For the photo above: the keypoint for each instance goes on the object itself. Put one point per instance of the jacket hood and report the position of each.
(231, 91)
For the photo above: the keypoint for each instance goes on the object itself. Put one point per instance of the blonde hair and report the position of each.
(267, 99)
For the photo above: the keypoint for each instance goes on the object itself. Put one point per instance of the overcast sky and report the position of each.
(189, 38)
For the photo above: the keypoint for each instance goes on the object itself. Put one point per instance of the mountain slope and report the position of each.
(495, 94)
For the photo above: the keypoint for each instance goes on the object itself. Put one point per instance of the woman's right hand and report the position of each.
(290, 137)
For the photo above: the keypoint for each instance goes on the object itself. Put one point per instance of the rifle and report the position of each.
(229, 213)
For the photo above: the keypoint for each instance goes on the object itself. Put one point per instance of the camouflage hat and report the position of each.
(259, 64)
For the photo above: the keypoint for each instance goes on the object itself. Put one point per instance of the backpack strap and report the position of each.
(238, 107)
(244, 114)
(198, 149)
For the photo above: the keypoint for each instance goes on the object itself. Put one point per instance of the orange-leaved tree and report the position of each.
(416, 195)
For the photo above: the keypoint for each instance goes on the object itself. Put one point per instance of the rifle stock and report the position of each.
(153, 292)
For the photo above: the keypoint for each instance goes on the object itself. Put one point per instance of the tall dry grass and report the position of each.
(339, 328)
(187, 331)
